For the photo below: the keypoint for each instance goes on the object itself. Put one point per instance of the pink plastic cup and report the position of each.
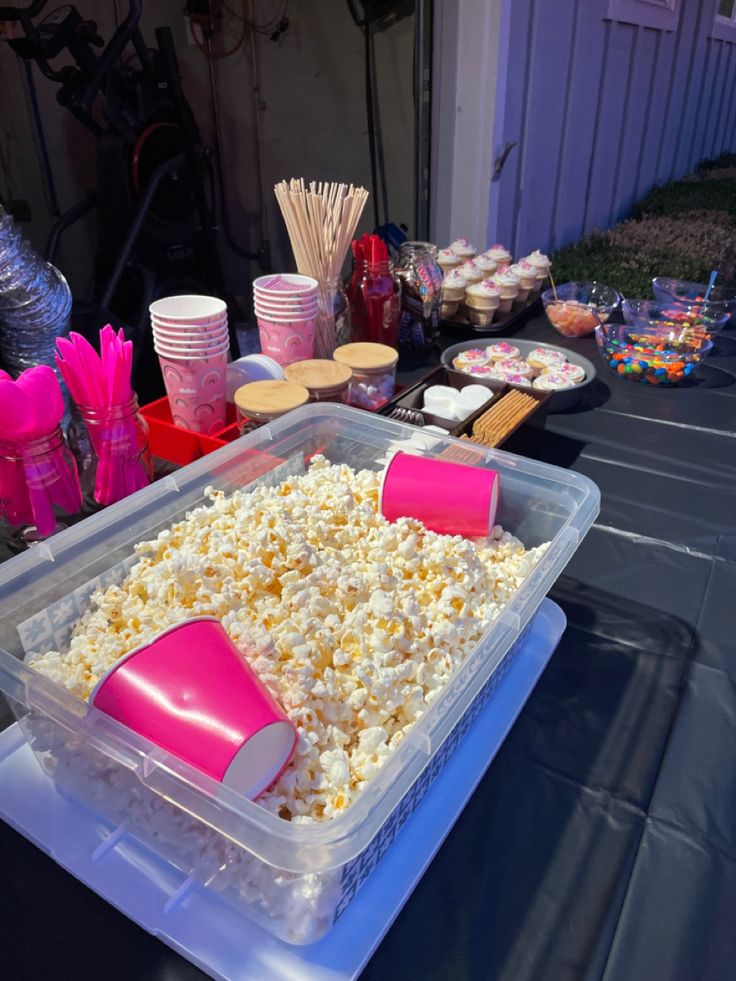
(196, 389)
(192, 692)
(300, 303)
(287, 341)
(449, 498)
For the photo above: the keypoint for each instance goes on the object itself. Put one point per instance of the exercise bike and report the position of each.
(155, 183)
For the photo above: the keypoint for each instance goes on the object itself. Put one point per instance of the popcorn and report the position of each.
(354, 624)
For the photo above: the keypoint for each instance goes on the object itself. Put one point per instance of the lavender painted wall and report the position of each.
(601, 110)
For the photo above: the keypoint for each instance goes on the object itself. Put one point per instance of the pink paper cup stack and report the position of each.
(286, 311)
(190, 336)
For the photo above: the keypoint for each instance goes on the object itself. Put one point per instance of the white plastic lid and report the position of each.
(253, 367)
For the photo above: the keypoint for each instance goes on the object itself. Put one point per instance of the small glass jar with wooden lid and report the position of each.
(374, 373)
(263, 401)
(327, 381)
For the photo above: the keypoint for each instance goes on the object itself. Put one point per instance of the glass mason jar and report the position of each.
(333, 318)
(38, 478)
(111, 445)
(260, 402)
(421, 294)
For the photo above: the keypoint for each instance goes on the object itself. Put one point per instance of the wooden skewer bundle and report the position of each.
(321, 222)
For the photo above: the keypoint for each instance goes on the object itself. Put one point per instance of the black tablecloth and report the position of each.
(602, 842)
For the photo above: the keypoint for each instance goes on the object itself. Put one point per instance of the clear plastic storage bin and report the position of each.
(295, 880)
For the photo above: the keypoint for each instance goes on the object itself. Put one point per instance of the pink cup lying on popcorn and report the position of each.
(287, 340)
(196, 389)
(193, 693)
(449, 498)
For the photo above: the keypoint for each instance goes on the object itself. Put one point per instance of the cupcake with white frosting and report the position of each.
(487, 265)
(453, 292)
(482, 300)
(448, 260)
(463, 248)
(541, 263)
(527, 276)
(471, 272)
(508, 284)
(500, 255)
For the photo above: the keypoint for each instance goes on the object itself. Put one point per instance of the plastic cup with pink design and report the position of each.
(193, 693)
(286, 310)
(190, 336)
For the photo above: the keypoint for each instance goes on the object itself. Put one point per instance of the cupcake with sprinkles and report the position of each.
(543, 358)
(481, 301)
(472, 272)
(514, 366)
(470, 358)
(482, 370)
(453, 292)
(448, 260)
(501, 351)
(463, 248)
(572, 371)
(500, 255)
(486, 264)
(553, 381)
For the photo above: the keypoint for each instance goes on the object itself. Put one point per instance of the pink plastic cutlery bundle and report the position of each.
(100, 386)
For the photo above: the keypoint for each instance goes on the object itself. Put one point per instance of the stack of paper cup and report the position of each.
(191, 339)
(286, 311)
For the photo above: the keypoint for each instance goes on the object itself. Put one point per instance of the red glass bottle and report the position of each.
(380, 296)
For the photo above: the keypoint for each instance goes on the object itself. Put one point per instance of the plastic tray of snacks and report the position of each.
(413, 400)
(502, 323)
(558, 400)
(294, 879)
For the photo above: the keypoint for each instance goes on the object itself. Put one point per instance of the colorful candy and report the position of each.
(651, 364)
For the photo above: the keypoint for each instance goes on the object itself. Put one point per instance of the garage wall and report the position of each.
(313, 121)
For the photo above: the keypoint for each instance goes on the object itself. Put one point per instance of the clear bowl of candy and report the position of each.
(576, 309)
(722, 299)
(699, 320)
(651, 355)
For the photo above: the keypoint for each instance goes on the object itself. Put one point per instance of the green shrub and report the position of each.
(725, 160)
(689, 195)
(632, 253)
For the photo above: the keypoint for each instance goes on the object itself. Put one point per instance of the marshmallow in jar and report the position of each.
(374, 373)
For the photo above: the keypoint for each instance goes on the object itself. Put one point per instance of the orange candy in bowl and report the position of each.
(576, 309)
